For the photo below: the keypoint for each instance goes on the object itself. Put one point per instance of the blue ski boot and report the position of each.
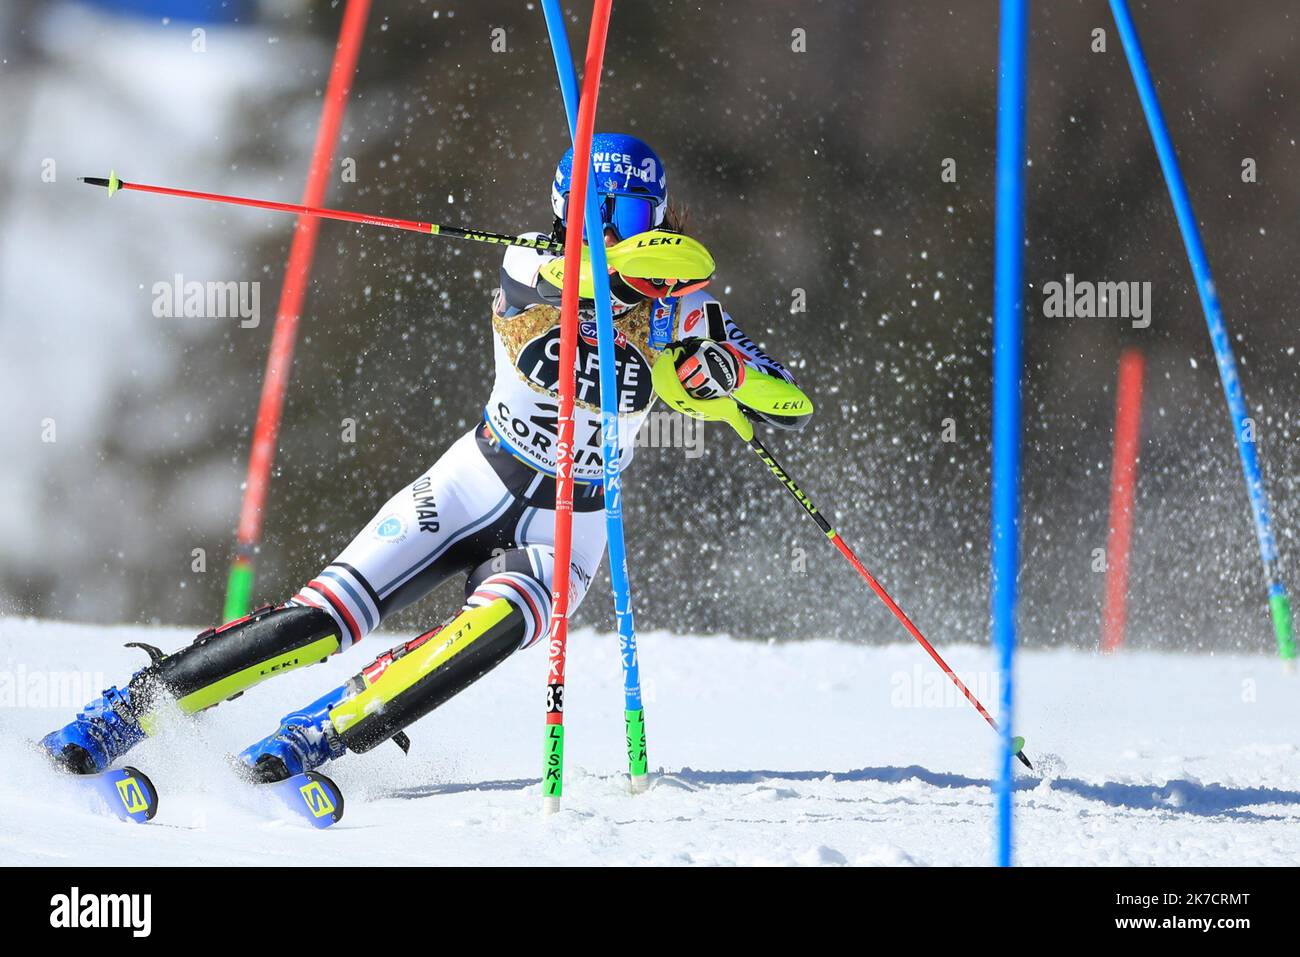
(219, 665)
(304, 741)
(104, 731)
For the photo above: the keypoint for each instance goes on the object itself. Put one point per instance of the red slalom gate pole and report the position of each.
(553, 768)
(239, 587)
(1123, 483)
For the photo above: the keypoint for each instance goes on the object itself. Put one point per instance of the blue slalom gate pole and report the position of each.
(633, 710)
(1007, 319)
(1242, 427)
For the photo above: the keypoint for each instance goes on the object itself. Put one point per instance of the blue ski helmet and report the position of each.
(630, 181)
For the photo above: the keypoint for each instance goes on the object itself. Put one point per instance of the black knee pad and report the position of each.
(224, 662)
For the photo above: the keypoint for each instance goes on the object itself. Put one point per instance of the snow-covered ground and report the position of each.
(804, 753)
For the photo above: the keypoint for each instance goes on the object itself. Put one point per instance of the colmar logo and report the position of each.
(426, 506)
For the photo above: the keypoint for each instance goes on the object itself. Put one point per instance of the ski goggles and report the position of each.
(627, 214)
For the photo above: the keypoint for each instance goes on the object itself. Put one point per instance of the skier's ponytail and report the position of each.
(677, 218)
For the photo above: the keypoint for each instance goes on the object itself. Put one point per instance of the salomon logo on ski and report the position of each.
(125, 793)
(310, 796)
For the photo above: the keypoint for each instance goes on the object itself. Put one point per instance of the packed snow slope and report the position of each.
(810, 752)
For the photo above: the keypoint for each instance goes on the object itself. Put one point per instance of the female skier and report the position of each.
(485, 509)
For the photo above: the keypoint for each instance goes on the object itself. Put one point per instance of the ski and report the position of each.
(312, 796)
(126, 793)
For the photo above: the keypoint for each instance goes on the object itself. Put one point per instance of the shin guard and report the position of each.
(223, 663)
(403, 685)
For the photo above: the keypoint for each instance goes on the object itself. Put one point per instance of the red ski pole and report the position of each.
(782, 476)
(113, 184)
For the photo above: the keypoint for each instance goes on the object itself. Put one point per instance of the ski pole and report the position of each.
(113, 184)
(824, 524)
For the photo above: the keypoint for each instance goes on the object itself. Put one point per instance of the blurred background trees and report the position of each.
(814, 177)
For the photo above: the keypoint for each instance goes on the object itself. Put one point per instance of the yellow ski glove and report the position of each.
(771, 394)
(669, 387)
(672, 264)
(720, 383)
